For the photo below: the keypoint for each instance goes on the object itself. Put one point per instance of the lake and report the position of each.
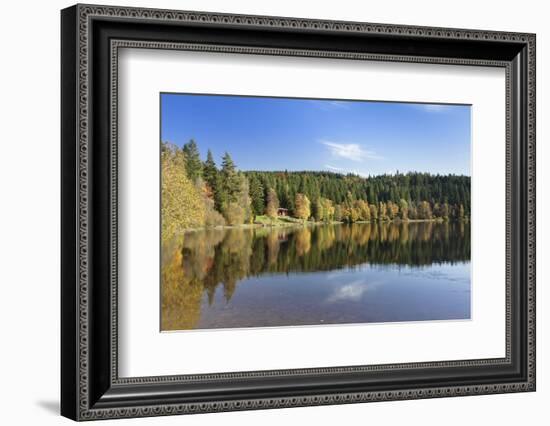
(315, 275)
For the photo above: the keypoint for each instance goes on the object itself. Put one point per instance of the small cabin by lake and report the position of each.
(282, 212)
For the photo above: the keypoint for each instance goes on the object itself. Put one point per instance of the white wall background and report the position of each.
(29, 211)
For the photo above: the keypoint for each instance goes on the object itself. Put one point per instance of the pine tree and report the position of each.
(229, 170)
(193, 161)
(233, 190)
(210, 171)
(257, 196)
(318, 210)
(228, 183)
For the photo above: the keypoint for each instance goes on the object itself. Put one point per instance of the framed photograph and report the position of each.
(263, 212)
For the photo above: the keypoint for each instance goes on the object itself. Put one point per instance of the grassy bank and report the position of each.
(265, 220)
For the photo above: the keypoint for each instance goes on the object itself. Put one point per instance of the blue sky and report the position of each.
(366, 138)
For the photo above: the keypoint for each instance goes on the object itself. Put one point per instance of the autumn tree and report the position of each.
(236, 209)
(461, 212)
(182, 206)
(445, 211)
(353, 214)
(363, 209)
(345, 212)
(424, 210)
(234, 214)
(373, 212)
(327, 209)
(242, 198)
(302, 207)
(211, 216)
(272, 204)
(382, 211)
(393, 210)
(437, 210)
(413, 211)
(403, 209)
(338, 213)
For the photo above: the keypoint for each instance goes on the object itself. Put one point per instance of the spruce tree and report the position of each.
(193, 161)
(229, 182)
(210, 171)
(257, 196)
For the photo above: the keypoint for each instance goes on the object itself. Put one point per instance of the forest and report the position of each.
(199, 194)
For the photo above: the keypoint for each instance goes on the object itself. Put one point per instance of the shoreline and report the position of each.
(311, 223)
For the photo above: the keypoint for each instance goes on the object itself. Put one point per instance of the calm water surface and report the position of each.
(321, 274)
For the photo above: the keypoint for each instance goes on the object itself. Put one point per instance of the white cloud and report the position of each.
(434, 107)
(327, 105)
(340, 104)
(350, 151)
(349, 292)
(352, 292)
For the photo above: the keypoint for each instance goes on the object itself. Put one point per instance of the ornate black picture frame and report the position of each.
(91, 36)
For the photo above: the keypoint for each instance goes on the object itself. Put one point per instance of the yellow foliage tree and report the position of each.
(182, 206)
(424, 210)
(328, 209)
(303, 207)
(272, 204)
(364, 210)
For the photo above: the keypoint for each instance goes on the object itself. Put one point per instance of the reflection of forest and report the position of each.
(200, 261)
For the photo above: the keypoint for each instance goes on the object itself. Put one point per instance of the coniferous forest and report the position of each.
(198, 193)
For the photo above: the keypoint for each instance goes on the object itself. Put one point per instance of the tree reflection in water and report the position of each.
(200, 262)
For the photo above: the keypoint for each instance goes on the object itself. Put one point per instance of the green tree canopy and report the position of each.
(257, 196)
(210, 171)
(192, 160)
